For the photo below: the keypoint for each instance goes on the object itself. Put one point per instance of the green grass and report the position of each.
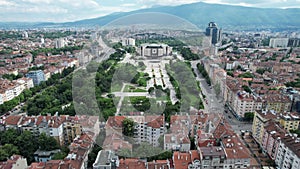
(116, 87)
(139, 90)
(130, 88)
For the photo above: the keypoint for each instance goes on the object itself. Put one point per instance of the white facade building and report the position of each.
(56, 131)
(9, 94)
(148, 129)
(154, 50)
(288, 154)
(106, 159)
(26, 83)
(60, 43)
(128, 42)
(279, 42)
(1, 98)
(18, 89)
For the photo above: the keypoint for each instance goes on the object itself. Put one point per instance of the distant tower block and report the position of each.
(60, 43)
(214, 32)
(42, 40)
(128, 42)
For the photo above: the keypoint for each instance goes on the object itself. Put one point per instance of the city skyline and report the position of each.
(67, 10)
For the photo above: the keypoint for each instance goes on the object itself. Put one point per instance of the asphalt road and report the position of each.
(215, 104)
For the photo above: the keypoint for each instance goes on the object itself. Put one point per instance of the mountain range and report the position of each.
(226, 16)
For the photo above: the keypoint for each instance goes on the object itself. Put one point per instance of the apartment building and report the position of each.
(277, 102)
(272, 138)
(114, 125)
(279, 42)
(288, 155)
(141, 164)
(56, 129)
(243, 103)
(289, 121)
(115, 142)
(260, 119)
(178, 139)
(148, 128)
(77, 157)
(7, 90)
(37, 76)
(26, 83)
(177, 142)
(106, 159)
(280, 145)
(128, 42)
(1, 98)
(212, 157)
(63, 128)
(71, 129)
(237, 154)
(186, 160)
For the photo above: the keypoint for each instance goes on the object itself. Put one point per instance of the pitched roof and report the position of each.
(115, 121)
(12, 120)
(235, 149)
(131, 163)
(223, 129)
(158, 164)
(155, 121)
(181, 160)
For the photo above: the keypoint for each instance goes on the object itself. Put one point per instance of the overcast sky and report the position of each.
(71, 10)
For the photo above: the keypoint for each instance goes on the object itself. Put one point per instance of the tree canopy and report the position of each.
(24, 143)
(128, 127)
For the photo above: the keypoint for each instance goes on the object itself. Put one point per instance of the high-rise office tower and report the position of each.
(214, 32)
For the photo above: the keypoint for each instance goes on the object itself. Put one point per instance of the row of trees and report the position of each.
(187, 54)
(294, 83)
(97, 80)
(10, 35)
(56, 51)
(204, 73)
(56, 34)
(189, 89)
(27, 95)
(11, 76)
(49, 96)
(167, 40)
(246, 75)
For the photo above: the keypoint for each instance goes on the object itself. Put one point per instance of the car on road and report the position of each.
(229, 117)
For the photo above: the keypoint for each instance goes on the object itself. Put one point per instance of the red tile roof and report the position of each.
(131, 164)
(156, 122)
(235, 149)
(195, 155)
(115, 121)
(12, 120)
(223, 129)
(158, 164)
(181, 160)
